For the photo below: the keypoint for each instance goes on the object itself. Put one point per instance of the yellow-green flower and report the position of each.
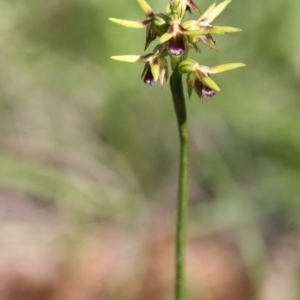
(176, 39)
(156, 66)
(201, 30)
(194, 82)
(198, 77)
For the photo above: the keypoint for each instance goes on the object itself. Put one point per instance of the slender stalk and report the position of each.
(180, 109)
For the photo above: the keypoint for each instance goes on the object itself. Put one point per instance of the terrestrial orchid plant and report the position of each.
(176, 39)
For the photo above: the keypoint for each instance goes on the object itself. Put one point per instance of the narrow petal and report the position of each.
(163, 76)
(167, 36)
(146, 8)
(155, 68)
(190, 81)
(163, 72)
(150, 36)
(208, 40)
(131, 24)
(198, 87)
(224, 68)
(209, 83)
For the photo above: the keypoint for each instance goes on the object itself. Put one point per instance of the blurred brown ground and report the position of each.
(111, 262)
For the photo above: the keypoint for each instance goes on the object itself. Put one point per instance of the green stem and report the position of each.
(180, 109)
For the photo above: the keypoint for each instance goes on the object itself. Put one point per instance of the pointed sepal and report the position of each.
(146, 8)
(213, 11)
(131, 24)
(221, 30)
(224, 68)
(190, 4)
(130, 58)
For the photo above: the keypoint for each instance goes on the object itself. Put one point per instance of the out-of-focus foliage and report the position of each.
(84, 133)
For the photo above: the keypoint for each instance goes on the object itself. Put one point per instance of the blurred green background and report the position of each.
(85, 143)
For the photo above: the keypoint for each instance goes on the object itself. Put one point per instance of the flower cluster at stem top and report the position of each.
(176, 38)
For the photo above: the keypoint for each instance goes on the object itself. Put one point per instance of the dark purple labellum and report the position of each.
(207, 92)
(202, 90)
(148, 78)
(176, 45)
